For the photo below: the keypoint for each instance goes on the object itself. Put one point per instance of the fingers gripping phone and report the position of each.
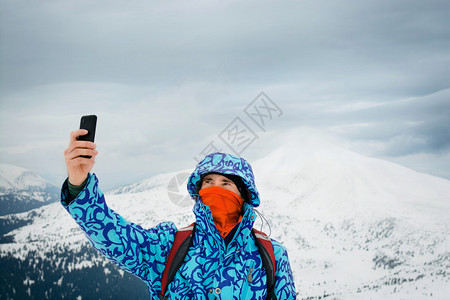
(89, 123)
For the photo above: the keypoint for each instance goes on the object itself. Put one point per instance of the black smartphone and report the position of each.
(89, 123)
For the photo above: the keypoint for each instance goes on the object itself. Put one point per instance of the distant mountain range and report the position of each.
(22, 190)
(355, 228)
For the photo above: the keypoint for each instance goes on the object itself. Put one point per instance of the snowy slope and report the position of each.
(53, 227)
(355, 227)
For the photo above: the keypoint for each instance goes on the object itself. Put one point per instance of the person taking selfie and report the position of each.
(220, 256)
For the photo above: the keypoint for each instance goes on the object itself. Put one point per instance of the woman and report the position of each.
(222, 262)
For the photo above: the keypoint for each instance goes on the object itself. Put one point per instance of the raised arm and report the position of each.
(139, 251)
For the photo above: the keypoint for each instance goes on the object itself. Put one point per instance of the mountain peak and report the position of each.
(14, 177)
(310, 175)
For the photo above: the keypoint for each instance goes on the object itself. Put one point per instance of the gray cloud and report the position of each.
(407, 126)
(165, 43)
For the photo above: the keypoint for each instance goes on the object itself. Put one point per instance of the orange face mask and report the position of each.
(226, 207)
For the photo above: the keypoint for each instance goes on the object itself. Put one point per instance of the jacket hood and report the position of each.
(223, 163)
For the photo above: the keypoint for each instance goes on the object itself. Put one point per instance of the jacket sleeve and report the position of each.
(284, 281)
(136, 250)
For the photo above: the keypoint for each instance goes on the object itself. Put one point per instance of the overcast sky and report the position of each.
(166, 78)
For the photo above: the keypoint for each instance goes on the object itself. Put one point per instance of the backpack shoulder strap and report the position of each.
(265, 248)
(180, 247)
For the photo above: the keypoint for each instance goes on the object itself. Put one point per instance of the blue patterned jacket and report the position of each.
(212, 270)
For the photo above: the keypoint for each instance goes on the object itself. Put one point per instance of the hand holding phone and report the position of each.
(81, 153)
(89, 123)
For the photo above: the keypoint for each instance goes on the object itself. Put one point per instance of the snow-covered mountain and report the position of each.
(22, 190)
(355, 228)
(13, 177)
(364, 228)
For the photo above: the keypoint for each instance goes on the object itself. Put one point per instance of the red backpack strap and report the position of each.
(265, 248)
(180, 247)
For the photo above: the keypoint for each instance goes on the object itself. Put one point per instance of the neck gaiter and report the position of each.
(225, 205)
